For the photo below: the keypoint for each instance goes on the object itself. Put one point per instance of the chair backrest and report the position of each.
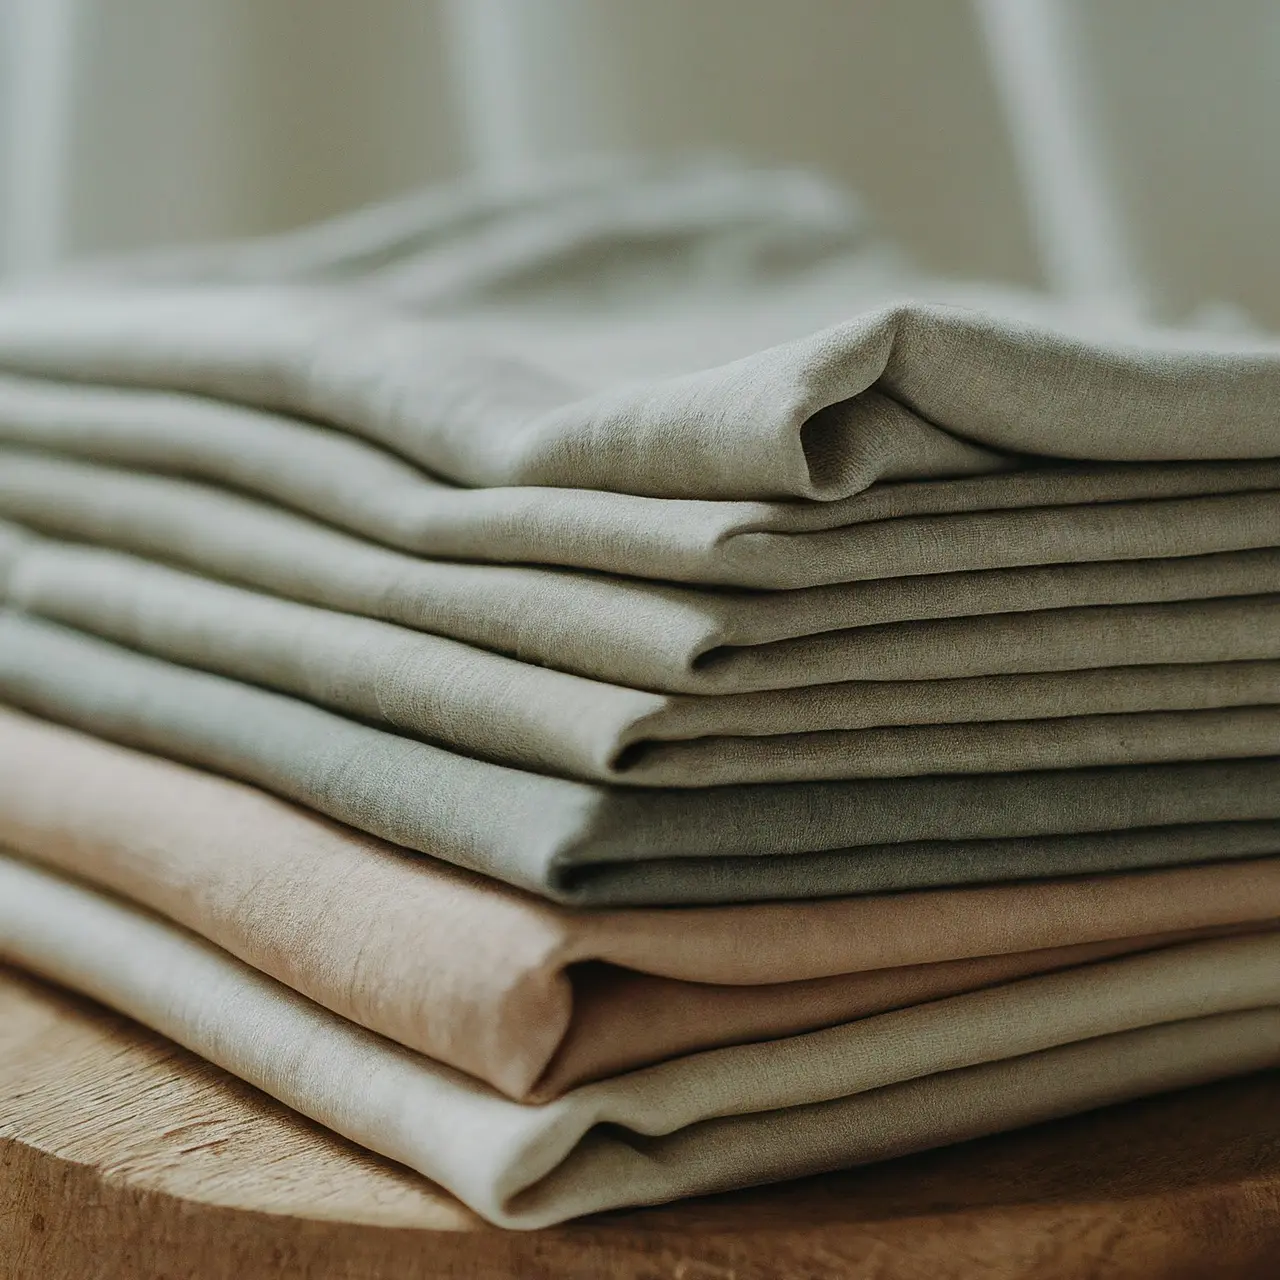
(1087, 252)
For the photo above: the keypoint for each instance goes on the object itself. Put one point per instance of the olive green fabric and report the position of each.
(1004, 539)
(589, 843)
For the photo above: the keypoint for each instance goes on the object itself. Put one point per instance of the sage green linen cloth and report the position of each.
(1048, 515)
(554, 352)
(588, 843)
(517, 713)
(881, 1086)
(907, 391)
(665, 637)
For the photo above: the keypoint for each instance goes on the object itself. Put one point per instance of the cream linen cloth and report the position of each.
(532, 998)
(663, 637)
(913, 1078)
(592, 843)
(516, 713)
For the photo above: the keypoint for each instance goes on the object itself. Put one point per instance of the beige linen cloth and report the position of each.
(516, 713)
(664, 637)
(597, 843)
(532, 998)
(934, 1073)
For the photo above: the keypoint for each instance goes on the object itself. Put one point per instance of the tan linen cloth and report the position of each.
(665, 637)
(488, 705)
(901, 1081)
(1050, 515)
(591, 843)
(533, 998)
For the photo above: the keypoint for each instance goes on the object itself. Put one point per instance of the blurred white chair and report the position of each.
(500, 51)
(1086, 251)
(38, 59)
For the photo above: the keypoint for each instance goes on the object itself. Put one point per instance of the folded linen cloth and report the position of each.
(584, 843)
(516, 713)
(881, 1086)
(532, 998)
(907, 391)
(1049, 515)
(564, 387)
(654, 636)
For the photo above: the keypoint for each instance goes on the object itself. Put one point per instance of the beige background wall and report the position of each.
(209, 117)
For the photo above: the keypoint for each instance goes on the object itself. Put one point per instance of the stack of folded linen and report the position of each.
(819, 754)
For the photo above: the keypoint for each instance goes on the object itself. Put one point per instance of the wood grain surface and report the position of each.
(123, 1157)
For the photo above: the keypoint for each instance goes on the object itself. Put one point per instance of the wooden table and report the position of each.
(123, 1157)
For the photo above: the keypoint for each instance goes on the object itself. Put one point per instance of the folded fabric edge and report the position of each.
(902, 1119)
(601, 1041)
(37, 937)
